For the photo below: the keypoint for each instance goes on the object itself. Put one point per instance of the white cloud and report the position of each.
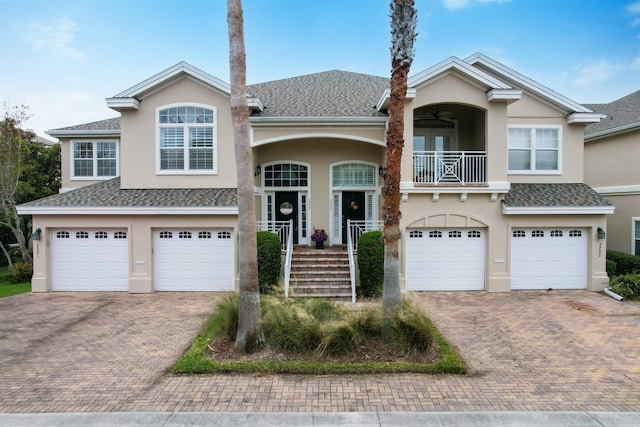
(463, 4)
(636, 22)
(57, 38)
(597, 72)
(455, 4)
(634, 7)
(635, 64)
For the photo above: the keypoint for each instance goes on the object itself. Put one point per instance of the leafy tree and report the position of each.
(249, 336)
(403, 35)
(13, 143)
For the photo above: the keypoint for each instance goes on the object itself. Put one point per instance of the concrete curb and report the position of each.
(316, 419)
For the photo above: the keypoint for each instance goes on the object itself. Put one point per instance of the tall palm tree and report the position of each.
(249, 337)
(403, 35)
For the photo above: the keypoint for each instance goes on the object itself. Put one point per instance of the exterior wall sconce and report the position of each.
(36, 234)
(381, 171)
(258, 170)
(601, 233)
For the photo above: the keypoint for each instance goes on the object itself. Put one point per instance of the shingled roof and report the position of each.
(621, 112)
(554, 195)
(108, 124)
(108, 194)
(328, 94)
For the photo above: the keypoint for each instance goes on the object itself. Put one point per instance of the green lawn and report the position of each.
(7, 288)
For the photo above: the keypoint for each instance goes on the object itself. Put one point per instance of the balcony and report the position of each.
(451, 168)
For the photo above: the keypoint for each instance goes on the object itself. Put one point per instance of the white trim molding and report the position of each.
(557, 210)
(613, 131)
(137, 210)
(622, 190)
(492, 187)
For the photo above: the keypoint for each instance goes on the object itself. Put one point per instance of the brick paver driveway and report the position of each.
(558, 350)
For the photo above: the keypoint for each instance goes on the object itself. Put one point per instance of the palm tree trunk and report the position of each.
(249, 337)
(403, 22)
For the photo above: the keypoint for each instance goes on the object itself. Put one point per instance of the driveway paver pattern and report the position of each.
(527, 350)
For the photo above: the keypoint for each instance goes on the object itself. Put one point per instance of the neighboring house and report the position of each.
(612, 154)
(492, 181)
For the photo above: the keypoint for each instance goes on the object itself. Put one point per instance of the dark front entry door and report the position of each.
(353, 208)
(287, 208)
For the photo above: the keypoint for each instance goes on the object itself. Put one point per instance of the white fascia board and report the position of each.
(255, 104)
(585, 118)
(462, 67)
(123, 103)
(527, 83)
(492, 187)
(169, 73)
(317, 121)
(48, 210)
(557, 210)
(621, 190)
(509, 95)
(608, 132)
(83, 133)
(385, 99)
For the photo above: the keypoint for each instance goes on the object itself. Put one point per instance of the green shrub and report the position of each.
(321, 309)
(269, 260)
(627, 285)
(371, 264)
(21, 272)
(625, 263)
(226, 316)
(611, 267)
(289, 328)
(412, 329)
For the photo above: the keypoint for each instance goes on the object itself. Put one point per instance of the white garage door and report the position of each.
(194, 260)
(544, 258)
(89, 260)
(445, 259)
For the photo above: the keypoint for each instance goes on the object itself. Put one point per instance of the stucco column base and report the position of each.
(499, 284)
(39, 283)
(140, 285)
(598, 282)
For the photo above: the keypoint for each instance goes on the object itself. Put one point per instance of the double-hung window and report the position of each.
(636, 236)
(535, 149)
(94, 159)
(187, 140)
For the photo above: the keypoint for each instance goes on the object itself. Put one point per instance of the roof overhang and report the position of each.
(142, 210)
(585, 118)
(557, 210)
(123, 103)
(629, 127)
(385, 99)
(317, 121)
(83, 133)
(508, 95)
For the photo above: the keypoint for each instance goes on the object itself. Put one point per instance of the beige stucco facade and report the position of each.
(611, 167)
(322, 145)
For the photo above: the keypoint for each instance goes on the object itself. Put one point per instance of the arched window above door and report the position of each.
(354, 175)
(286, 175)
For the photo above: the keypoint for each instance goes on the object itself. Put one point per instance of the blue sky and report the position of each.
(63, 57)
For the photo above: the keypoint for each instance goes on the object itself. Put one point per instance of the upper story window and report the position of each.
(535, 149)
(94, 159)
(187, 140)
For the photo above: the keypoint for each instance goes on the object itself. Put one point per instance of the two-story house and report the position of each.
(612, 151)
(492, 181)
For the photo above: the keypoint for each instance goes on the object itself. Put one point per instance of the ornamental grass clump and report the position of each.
(627, 286)
(412, 330)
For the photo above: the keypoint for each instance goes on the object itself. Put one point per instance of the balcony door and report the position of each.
(434, 140)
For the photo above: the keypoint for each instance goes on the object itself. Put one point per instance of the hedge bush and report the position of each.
(611, 268)
(269, 260)
(22, 272)
(627, 285)
(371, 264)
(625, 263)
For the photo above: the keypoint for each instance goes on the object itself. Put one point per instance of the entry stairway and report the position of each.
(320, 273)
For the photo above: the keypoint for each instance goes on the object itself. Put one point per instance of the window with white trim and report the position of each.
(534, 149)
(636, 234)
(187, 139)
(94, 159)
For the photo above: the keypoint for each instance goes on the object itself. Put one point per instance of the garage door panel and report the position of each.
(556, 260)
(203, 262)
(445, 259)
(89, 260)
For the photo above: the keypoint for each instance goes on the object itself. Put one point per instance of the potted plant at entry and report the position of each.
(319, 236)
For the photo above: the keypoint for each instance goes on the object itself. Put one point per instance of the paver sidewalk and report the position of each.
(531, 351)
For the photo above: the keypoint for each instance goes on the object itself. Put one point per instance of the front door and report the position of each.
(287, 209)
(353, 208)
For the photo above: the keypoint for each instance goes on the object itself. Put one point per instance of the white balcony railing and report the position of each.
(449, 167)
